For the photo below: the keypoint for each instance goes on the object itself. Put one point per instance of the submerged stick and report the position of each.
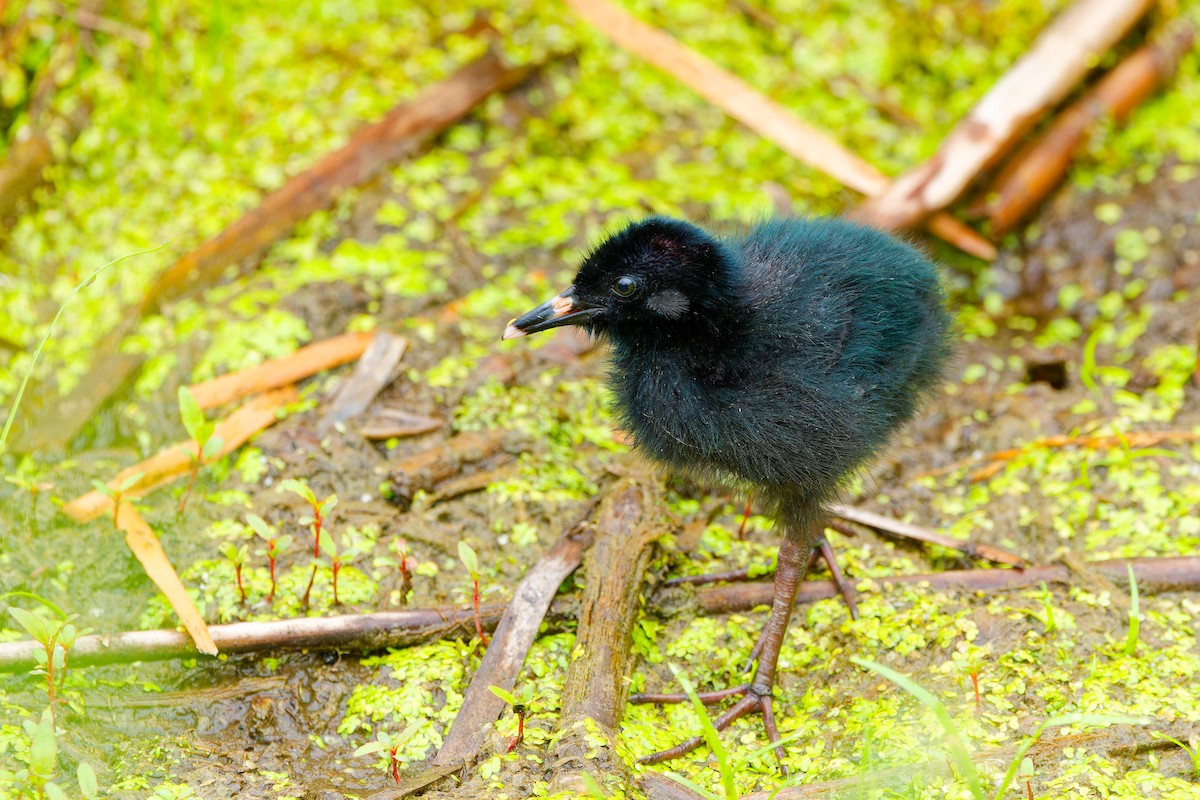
(804, 142)
(1040, 79)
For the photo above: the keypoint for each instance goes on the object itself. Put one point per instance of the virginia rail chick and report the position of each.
(780, 360)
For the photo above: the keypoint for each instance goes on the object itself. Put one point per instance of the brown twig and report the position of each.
(804, 142)
(1092, 442)
(149, 552)
(392, 423)
(1040, 79)
(596, 686)
(176, 460)
(371, 374)
(1042, 163)
(289, 369)
(920, 533)
(426, 469)
(514, 635)
(367, 633)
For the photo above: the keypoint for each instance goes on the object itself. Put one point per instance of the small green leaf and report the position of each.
(37, 627)
(43, 748)
(297, 487)
(130, 482)
(327, 545)
(54, 792)
(103, 488)
(503, 695)
(1135, 613)
(327, 505)
(88, 786)
(370, 748)
(260, 527)
(193, 417)
(468, 558)
(212, 447)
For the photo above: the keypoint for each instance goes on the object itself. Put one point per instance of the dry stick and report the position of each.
(426, 469)
(513, 637)
(149, 551)
(804, 142)
(919, 533)
(370, 150)
(392, 423)
(1175, 573)
(1043, 163)
(660, 787)
(1093, 442)
(1058, 60)
(596, 687)
(367, 633)
(292, 368)
(375, 370)
(176, 460)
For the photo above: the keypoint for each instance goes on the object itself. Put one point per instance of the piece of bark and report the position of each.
(368, 633)
(392, 423)
(510, 643)
(176, 461)
(1042, 164)
(804, 142)
(370, 150)
(908, 530)
(1175, 573)
(374, 370)
(426, 469)
(278, 372)
(1040, 79)
(149, 551)
(660, 787)
(596, 686)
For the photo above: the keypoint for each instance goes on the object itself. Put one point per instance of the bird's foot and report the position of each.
(753, 698)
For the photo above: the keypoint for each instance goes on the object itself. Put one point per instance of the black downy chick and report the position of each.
(780, 360)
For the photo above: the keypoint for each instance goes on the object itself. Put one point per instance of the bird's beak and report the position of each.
(562, 309)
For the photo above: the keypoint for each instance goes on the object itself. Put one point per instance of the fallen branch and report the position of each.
(1043, 163)
(908, 530)
(370, 150)
(596, 687)
(149, 552)
(375, 370)
(279, 372)
(426, 469)
(514, 635)
(367, 633)
(806, 143)
(176, 460)
(1039, 80)
(1175, 573)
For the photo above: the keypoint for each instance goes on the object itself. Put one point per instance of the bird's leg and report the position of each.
(755, 696)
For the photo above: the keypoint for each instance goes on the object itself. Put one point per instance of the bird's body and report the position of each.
(780, 359)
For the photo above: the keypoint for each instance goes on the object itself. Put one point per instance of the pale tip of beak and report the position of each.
(512, 332)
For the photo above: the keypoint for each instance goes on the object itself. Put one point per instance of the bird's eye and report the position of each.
(624, 286)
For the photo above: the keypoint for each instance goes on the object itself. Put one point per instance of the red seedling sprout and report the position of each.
(316, 521)
(201, 431)
(330, 549)
(275, 546)
(520, 706)
(56, 641)
(237, 555)
(469, 560)
(971, 662)
(391, 744)
(117, 495)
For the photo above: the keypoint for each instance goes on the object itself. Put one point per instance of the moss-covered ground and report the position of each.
(223, 102)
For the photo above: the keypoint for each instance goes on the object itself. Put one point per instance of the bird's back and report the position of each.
(843, 333)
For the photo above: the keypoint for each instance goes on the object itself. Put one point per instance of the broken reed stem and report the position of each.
(367, 633)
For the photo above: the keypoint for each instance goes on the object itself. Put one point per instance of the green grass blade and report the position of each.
(958, 750)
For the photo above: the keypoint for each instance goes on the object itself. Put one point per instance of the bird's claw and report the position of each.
(754, 698)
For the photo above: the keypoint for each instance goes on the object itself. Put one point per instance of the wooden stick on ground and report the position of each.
(513, 637)
(1040, 79)
(920, 533)
(806, 143)
(368, 633)
(596, 687)
(1042, 163)
(149, 551)
(279, 372)
(176, 461)
(370, 150)
(375, 370)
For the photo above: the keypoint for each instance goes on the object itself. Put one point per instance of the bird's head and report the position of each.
(659, 277)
